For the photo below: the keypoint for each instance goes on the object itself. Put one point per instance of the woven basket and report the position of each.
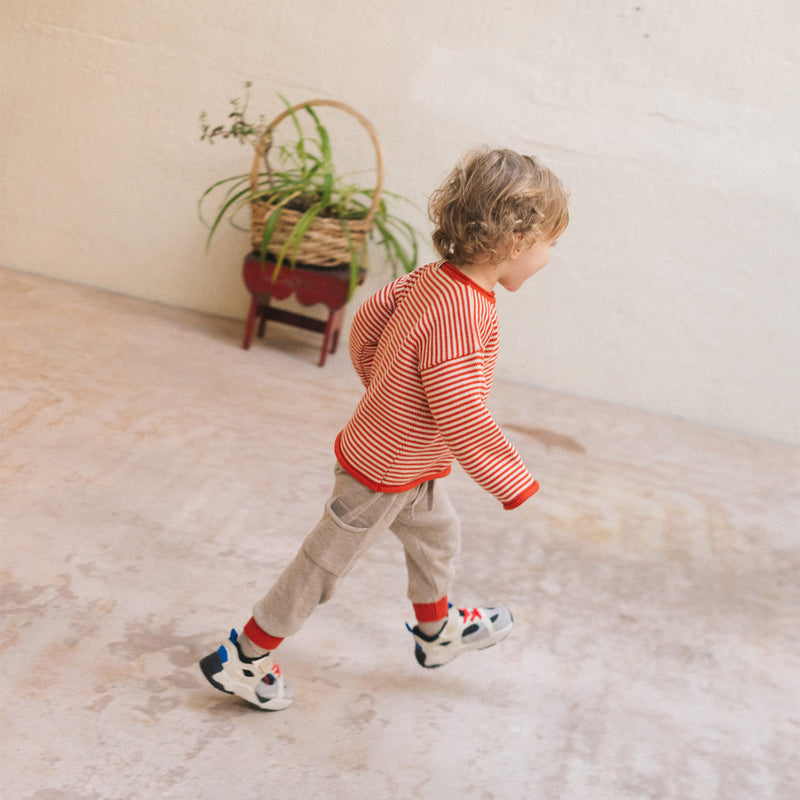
(328, 241)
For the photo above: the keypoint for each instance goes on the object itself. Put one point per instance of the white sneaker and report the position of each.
(257, 680)
(465, 629)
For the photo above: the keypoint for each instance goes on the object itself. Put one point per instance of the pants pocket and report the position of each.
(352, 521)
(349, 519)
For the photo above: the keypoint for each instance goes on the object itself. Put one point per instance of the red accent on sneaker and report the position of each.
(431, 612)
(470, 614)
(259, 637)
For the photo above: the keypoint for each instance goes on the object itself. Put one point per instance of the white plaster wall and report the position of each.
(674, 124)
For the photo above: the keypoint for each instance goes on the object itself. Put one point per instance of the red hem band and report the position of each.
(260, 638)
(431, 612)
(382, 487)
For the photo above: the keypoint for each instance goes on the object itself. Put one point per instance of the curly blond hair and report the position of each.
(495, 202)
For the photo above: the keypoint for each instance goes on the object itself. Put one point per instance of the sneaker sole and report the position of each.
(212, 668)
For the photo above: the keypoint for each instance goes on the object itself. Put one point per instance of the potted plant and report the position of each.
(301, 209)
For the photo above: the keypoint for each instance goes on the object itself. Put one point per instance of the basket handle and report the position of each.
(266, 141)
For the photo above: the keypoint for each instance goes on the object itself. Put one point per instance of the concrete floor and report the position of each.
(156, 478)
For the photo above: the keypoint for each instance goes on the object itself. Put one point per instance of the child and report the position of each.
(424, 347)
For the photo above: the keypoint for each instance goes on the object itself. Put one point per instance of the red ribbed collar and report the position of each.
(458, 275)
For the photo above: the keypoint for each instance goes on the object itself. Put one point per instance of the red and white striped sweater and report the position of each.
(425, 348)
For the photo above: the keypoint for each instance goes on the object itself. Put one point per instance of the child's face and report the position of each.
(517, 269)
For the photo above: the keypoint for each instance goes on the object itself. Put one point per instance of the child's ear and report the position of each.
(517, 249)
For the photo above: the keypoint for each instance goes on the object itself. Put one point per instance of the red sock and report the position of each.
(259, 637)
(431, 612)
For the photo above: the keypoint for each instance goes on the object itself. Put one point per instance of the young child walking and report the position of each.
(425, 348)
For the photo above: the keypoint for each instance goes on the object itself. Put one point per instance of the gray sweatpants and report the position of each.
(422, 518)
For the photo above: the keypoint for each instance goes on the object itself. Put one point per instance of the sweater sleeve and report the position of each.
(453, 390)
(369, 322)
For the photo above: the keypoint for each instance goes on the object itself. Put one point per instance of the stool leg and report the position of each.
(337, 327)
(262, 310)
(251, 319)
(326, 337)
(331, 336)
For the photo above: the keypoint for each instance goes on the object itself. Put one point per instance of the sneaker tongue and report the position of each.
(264, 666)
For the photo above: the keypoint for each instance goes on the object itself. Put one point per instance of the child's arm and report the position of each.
(368, 324)
(453, 389)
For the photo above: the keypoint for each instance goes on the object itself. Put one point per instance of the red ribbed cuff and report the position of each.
(522, 497)
(431, 612)
(260, 638)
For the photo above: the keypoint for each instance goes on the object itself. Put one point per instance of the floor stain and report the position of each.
(547, 438)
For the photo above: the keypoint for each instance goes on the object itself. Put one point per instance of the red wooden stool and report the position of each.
(310, 285)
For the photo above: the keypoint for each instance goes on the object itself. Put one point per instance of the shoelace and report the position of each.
(470, 614)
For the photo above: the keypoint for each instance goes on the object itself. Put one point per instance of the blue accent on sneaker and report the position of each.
(234, 635)
(222, 653)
